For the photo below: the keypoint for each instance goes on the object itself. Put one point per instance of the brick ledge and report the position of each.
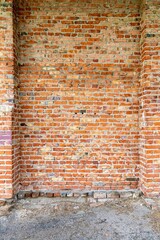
(90, 196)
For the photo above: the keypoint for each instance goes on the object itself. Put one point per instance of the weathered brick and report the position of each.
(49, 194)
(35, 194)
(28, 194)
(57, 194)
(100, 194)
(126, 194)
(113, 194)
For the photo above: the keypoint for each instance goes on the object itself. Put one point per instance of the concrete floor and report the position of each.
(61, 219)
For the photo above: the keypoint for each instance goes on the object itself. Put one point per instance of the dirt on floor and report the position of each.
(70, 219)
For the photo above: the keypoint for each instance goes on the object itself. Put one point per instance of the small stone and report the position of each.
(21, 195)
(2, 202)
(5, 210)
(56, 207)
(102, 200)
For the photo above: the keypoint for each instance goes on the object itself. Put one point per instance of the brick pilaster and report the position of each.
(7, 99)
(150, 98)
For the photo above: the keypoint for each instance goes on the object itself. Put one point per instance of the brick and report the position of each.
(35, 194)
(100, 195)
(126, 194)
(28, 194)
(49, 194)
(113, 194)
(57, 194)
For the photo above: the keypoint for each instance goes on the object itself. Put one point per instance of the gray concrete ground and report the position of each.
(61, 219)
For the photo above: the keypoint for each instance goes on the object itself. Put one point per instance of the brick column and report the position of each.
(150, 99)
(7, 99)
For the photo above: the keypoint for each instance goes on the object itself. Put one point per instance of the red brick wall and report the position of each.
(150, 99)
(79, 80)
(79, 95)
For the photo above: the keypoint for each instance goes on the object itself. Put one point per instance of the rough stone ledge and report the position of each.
(98, 194)
(95, 195)
(92, 197)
